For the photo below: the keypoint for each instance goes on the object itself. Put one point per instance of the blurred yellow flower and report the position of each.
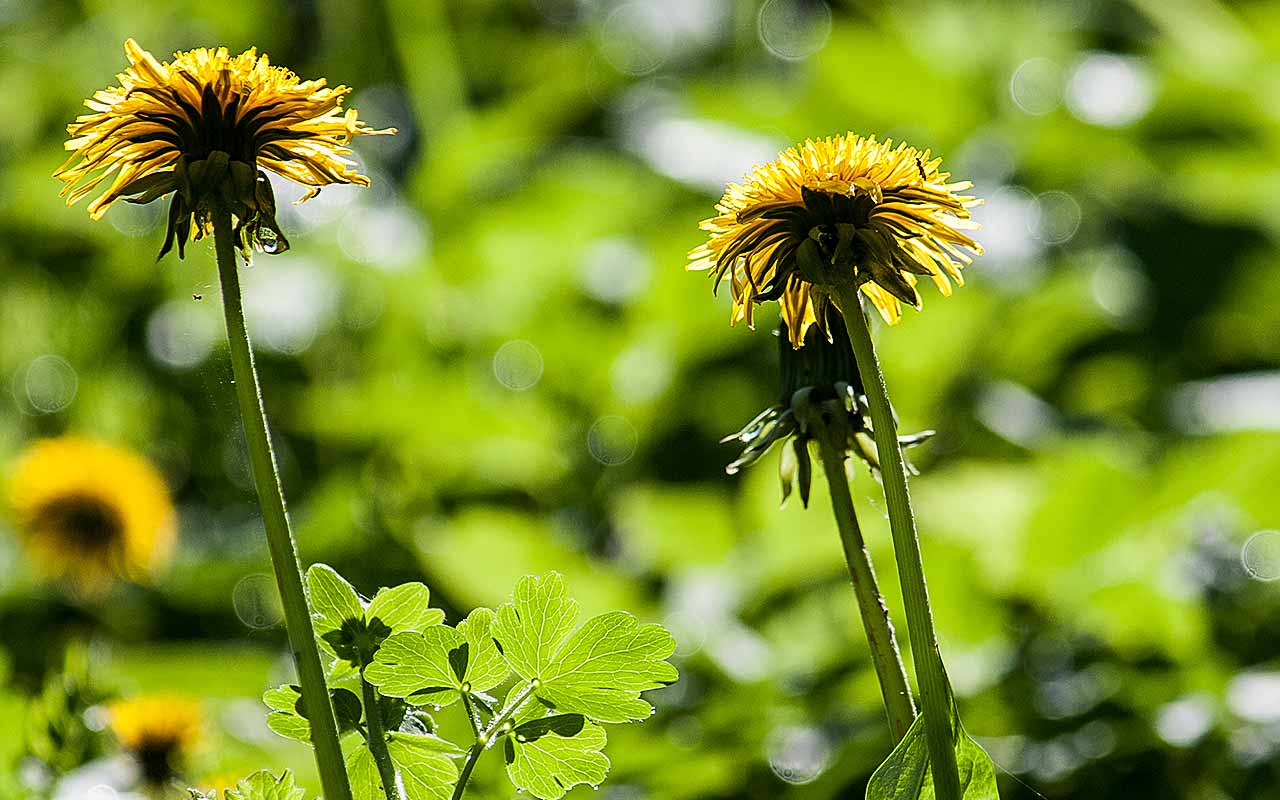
(204, 126)
(159, 731)
(90, 511)
(845, 210)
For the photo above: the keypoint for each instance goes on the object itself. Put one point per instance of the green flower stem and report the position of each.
(284, 556)
(935, 691)
(486, 738)
(378, 741)
(898, 703)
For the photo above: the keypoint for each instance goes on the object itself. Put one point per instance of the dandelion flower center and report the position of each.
(158, 732)
(838, 212)
(83, 521)
(91, 512)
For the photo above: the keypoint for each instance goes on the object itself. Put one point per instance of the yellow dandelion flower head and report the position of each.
(91, 512)
(204, 127)
(845, 210)
(159, 731)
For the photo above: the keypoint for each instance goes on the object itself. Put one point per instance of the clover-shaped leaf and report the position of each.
(439, 664)
(425, 764)
(598, 671)
(353, 629)
(548, 756)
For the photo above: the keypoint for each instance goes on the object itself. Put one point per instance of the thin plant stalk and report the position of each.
(378, 741)
(284, 555)
(899, 706)
(486, 737)
(935, 690)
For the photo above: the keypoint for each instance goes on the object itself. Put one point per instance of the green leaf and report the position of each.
(600, 670)
(486, 668)
(905, 774)
(290, 726)
(333, 600)
(404, 608)
(425, 765)
(426, 770)
(545, 762)
(262, 785)
(437, 665)
(362, 771)
(531, 627)
(286, 717)
(289, 719)
(415, 665)
(347, 709)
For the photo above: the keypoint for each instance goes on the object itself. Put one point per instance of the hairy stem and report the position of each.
(284, 556)
(486, 737)
(935, 690)
(899, 706)
(378, 741)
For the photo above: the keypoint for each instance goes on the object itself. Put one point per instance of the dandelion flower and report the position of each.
(159, 731)
(840, 211)
(819, 384)
(206, 127)
(90, 511)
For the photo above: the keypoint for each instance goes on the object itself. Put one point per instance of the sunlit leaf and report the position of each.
(437, 665)
(333, 600)
(598, 671)
(404, 608)
(546, 757)
(262, 785)
(425, 765)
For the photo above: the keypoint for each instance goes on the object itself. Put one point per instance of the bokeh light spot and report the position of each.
(1261, 555)
(51, 384)
(616, 269)
(1036, 86)
(1057, 217)
(181, 334)
(256, 602)
(798, 755)
(794, 30)
(636, 38)
(518, 365)
(1110, 90)
(612, 440)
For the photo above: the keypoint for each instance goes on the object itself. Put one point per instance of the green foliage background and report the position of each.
(1084, 507)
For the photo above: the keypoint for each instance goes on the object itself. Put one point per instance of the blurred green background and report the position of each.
(493, 363)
